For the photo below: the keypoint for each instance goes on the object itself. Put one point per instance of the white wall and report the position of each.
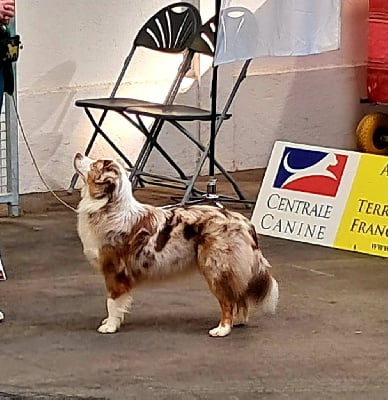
(74, 50)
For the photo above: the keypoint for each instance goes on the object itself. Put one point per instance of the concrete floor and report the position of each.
(327, 341)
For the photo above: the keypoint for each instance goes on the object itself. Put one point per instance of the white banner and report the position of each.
(330, 197)
(259, 28)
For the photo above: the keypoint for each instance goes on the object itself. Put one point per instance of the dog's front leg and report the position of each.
(117, 308)
(118, 288)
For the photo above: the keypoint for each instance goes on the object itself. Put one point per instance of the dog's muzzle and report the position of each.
(82, 164)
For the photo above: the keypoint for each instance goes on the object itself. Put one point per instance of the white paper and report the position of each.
(259, 28)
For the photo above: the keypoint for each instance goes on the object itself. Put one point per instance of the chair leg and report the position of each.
(144, 154)
(146, 150)
(226, 174)
(205, 154)
(73, 182)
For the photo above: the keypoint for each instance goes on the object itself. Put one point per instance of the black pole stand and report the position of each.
(212, 183)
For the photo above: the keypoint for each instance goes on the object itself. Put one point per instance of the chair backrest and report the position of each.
(172, 29)
(204, 40)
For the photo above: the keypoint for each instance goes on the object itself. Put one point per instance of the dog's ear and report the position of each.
(108, 171)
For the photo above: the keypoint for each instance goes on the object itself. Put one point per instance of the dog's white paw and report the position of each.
(105, 320)
(1, 316)
(109, 325)
(220, 331)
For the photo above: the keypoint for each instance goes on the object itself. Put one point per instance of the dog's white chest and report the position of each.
(89, 239)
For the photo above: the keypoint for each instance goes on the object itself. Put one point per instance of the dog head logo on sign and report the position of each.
(310, 171)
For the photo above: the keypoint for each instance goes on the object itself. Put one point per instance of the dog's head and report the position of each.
(102, 177)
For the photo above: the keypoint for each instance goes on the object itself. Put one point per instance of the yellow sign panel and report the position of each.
(364, 224)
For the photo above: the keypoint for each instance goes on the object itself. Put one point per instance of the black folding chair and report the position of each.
(177, 114)
(171, 30)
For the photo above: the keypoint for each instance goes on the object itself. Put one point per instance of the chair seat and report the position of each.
(114, 104)
(178, 112)
(174, 112)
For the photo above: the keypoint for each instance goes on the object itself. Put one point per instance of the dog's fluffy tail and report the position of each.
(263, 289)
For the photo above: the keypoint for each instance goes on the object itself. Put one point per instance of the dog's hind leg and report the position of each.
(226, 322)
(241, 312)
(117, 308)
(223, 282)
(224, 289)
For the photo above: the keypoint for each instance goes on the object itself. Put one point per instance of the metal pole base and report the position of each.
(211, 191)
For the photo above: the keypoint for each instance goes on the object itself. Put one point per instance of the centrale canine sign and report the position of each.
(325, 196)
